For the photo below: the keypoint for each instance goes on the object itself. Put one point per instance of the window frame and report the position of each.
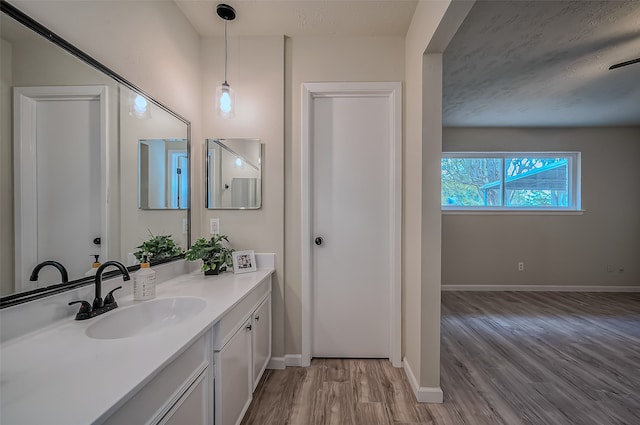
(573, 177)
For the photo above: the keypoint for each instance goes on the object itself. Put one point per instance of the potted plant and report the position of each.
(215, 254)
(158, 247)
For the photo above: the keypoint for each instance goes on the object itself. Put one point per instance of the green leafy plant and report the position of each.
(159, 247)
(215, 253)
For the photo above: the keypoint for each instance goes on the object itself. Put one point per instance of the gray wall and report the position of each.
(587, 249)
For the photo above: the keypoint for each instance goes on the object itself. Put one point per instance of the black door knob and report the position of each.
(319, 240)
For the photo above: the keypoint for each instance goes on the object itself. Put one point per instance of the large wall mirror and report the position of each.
(75, 140)
(234, 173)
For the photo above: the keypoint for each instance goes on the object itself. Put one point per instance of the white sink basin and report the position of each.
(146, 317)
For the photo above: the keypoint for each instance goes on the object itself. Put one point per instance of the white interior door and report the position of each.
(350, 182)
(68, 151)
(59, 151)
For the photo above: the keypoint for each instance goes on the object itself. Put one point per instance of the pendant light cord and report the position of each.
(225, 51)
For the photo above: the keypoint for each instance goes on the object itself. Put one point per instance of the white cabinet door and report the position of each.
(193, 407)
(261, 334)
(233, 380)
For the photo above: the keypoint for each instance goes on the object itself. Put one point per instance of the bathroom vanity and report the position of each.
(192, 355)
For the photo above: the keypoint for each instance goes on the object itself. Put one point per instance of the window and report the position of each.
(510, 181)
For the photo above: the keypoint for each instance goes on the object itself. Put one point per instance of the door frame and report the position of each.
(25, 102)
(393, 92)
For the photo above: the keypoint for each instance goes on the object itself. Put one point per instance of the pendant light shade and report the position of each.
(225, 96)
(225, 100)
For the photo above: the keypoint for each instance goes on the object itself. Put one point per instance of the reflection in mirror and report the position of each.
(166, 142)
(163, 168)
(87, 123)
(234, 174)
(60, 181)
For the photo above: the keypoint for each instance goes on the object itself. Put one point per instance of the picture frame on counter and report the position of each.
(244, 261)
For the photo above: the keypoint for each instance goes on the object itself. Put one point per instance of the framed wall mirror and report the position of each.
(71, 139)
(234, 173)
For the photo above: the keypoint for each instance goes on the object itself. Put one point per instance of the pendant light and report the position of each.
(225, 96)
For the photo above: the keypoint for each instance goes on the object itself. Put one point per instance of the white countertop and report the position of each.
(58, 375)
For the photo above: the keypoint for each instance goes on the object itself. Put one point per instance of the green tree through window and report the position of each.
(508, 180)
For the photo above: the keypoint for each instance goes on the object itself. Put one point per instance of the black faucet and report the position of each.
(97, 301)
(87, 311)
(60, 267)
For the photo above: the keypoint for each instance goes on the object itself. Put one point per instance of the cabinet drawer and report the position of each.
(155, 398)
(193, 407)
(228, 325)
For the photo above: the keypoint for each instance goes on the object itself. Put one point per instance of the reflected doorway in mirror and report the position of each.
(163, 170)
(59, 141)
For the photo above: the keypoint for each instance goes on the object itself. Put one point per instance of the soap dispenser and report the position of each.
(94, 266)
(144, 281)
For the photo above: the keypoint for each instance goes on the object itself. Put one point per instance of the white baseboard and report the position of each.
(276, 363)
(549, 288)
(289, 360)
(423, 394)
(294, 360)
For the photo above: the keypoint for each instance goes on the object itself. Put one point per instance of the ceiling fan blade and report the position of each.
(621, 64)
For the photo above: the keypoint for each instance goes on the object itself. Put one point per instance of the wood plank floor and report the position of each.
(508, 358)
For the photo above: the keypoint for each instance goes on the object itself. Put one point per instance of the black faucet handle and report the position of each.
(84, 308)
(109, 299)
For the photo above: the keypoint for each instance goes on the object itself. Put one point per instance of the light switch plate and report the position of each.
(214, 226)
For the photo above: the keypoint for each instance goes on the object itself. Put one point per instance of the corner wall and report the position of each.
(572, 250)
(432, 26)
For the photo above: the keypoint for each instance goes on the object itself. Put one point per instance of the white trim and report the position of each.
(276, 363)
(483, 211)
(305, 221)
(392, 90)
(541, 288)
(422, 394)
(293, 360)
(491, 154)
(25, 101)
(289, 360)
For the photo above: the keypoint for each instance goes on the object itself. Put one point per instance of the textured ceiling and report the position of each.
(302, 17)
(544, 63)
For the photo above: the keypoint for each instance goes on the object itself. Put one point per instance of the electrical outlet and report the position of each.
(185, 226)
(521, 266)
(214, 226)
(610, 268)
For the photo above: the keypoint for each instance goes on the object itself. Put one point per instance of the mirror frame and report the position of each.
(19, 16)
